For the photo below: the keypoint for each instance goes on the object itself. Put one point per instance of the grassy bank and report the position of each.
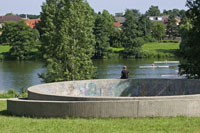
(77, 125)
(3, 51)
(160, 49)
(155, 49)
(12, 93)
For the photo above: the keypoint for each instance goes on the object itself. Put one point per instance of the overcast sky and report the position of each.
(113, 6)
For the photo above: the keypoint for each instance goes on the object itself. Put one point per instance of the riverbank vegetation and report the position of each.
(13, 93)
(11, 123)
(70, 34)
(190, 45)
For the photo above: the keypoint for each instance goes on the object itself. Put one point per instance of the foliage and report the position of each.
(153, 11)
(149, 38)
(116, 38)
(132, 35)
(174, 12)
(145, 25)
(172, 27)
(158, 31)
(20, 37)
(103, 30)
(9, 14)
(66, 29)
(190, 32)
(13, 93)
(30, 16)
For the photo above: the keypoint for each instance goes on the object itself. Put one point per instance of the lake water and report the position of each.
(17, 75)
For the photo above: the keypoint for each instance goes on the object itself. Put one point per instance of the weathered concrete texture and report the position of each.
(114, 89)
(103, 109)
(111, 98)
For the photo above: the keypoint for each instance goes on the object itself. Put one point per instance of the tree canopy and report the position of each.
(132, 35)
(153, 11)
(103, 30)
(66, 29)
(21, 37)
(158, 31)
(172, 27)
(190, 45)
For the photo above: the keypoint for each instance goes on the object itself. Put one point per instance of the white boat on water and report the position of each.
(154, 67)
(166, 62)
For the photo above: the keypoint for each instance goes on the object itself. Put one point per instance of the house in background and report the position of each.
(4, 19)
(163, 19)
(119, 21)
(32, 22)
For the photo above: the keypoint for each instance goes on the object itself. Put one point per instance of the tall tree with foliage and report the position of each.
(145, 25)
(103, 30)
(153, 11)
(172, 27)
(66, 29)
(158, 31)
(190, 45)
(132, 35)
(116, 38)
(20, 37)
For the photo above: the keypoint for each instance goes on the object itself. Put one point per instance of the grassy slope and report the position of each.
(160, 49)
(4, 49)
(160, 46)
(156, 49)
(77, 125)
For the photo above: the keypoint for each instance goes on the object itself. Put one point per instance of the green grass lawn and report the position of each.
(160, 46)
(160, 49)
(4, 49)
(156, 49)
(15, 124)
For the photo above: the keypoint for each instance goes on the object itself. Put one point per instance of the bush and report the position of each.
(149, 38)
(12, 92)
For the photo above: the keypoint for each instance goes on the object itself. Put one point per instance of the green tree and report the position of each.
(174, 12)
(190, 32)
(172, 27)
(10, 14)
(132, 35)
(158, 31)
(20, 37)
(103, 30)
(145, 25)
(116, 38)
(153, 11)
(67, 38)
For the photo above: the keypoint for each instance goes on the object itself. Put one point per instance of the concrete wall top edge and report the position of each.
(118, 88)
(114, 101)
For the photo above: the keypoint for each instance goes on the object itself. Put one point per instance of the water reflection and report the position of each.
(112, 68)
(19, 75)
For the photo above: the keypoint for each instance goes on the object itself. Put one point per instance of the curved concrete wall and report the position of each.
(111, 98)
(114, 89)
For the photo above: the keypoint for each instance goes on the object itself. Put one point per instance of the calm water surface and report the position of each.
(17, 75)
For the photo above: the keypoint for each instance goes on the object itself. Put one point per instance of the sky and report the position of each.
(113, 6)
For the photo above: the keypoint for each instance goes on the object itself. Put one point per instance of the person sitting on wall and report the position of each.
(124, 73)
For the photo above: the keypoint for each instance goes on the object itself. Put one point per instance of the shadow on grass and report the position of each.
(173, 51)
(5, 113)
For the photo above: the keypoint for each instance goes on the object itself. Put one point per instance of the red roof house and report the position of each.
(32, 22)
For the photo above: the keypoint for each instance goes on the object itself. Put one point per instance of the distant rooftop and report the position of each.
(9, 18)
(121, 20)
